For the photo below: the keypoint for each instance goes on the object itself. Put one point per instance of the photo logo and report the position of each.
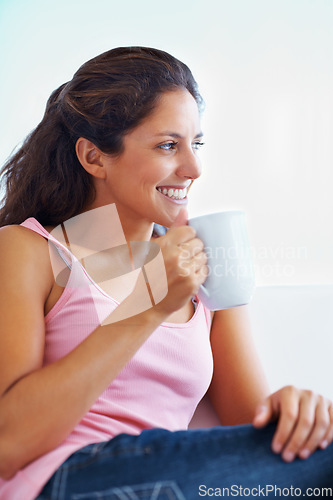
(94, 244)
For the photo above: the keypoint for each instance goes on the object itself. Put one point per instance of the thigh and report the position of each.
(163, 465)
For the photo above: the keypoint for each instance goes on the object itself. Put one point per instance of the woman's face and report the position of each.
(149, 181)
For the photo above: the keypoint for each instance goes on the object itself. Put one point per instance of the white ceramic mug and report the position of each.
(230, 281)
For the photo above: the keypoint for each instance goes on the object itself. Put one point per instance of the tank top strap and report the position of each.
(63, 251)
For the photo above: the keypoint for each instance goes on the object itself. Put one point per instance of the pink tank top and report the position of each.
(174, 364)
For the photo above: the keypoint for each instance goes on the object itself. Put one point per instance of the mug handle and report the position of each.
(204, 292)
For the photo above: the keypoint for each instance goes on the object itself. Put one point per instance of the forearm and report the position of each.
(41, 409)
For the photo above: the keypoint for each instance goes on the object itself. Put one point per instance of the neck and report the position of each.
(134, 229)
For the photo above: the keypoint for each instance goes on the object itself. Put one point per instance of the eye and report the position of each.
(197, 145)
(168, 146)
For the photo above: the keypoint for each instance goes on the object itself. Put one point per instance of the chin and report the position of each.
(169, 220)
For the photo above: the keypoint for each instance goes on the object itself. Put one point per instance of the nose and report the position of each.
(189, 164)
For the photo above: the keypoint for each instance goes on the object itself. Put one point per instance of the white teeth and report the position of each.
(176, 194)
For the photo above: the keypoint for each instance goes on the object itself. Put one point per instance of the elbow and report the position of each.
(7, 471)
(7, 467)
(6, 474)
(8, 459)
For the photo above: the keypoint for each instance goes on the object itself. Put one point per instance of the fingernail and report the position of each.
(324, 444)
(288, 456)
(263, 408)
(304, 453)
(260, 411)
(276, 447)
(260, 415)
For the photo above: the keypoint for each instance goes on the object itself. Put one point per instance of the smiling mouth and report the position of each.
(174, 193)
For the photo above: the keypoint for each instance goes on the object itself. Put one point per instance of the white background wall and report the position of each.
(265, 69)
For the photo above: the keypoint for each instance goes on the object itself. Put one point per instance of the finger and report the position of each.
(320, 429)
(304, 428)
(199, 261)
(201, 275)
(194, 264)
(289, 411)
(263, 414)
(328, 438)
(179, 235)
(181, 219)
(191, 248)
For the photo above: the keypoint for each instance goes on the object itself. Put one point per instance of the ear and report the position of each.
(90, 157)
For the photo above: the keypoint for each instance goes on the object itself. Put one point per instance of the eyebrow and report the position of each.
(175, 135)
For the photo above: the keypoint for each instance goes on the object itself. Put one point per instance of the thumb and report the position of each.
(181, 219)
(263, 414)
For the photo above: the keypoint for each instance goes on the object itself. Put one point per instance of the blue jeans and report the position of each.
(163, 465)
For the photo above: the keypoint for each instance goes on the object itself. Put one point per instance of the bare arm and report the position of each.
(239, 383)
(39, 406)
(240, 394)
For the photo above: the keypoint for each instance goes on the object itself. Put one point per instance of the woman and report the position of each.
(91, 390)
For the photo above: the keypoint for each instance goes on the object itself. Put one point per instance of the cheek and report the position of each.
(150, 176)
(159, 172)
(146, 170)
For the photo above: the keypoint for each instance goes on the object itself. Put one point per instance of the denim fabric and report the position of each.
(163, 465)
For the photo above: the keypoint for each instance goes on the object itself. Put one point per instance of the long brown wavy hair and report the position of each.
(107, 97)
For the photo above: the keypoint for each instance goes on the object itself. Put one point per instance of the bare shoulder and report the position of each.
(18, 233)
(19, 238)
(25, 282)
(24, 257)
(234, 316)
